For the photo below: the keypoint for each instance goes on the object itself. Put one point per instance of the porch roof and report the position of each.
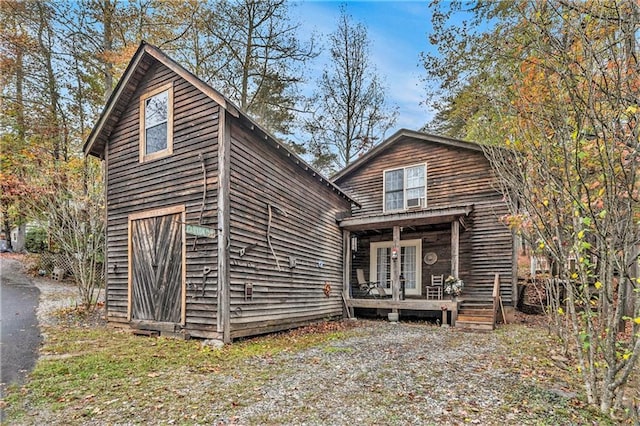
(408, 218)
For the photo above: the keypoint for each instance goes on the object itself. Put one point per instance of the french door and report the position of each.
(410, 264)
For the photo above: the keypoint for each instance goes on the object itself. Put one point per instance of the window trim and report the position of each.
(404, 188)
(373, 261)
(143, 131)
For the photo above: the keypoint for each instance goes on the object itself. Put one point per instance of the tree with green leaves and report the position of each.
(349, 112)
(552, 88)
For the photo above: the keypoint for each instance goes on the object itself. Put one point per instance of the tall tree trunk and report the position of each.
(44, 41)
(108, 9)
(20, 95)
(244, 95)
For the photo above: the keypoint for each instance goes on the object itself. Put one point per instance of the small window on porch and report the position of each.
(410, 264)
(405, 188)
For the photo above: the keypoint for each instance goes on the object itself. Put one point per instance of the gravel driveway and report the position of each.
(380, 373)
(405, 373)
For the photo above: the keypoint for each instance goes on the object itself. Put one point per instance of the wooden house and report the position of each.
(428, 210)
(214, 228)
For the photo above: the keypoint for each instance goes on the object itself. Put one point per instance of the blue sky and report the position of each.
(397, 31)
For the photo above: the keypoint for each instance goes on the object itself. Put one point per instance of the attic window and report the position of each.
(156, 123)
(405, 188)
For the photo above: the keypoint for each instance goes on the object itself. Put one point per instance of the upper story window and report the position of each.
(405, 188)
(156, 123)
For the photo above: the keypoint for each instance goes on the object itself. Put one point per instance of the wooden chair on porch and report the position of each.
(434, 291)
(371, 288)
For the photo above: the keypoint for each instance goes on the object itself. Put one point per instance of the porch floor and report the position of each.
(408, 304)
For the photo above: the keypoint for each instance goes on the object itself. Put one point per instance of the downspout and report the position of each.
(224, 147)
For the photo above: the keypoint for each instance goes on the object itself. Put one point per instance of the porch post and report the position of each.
(395, 267)
(455, 247)
(346, 271)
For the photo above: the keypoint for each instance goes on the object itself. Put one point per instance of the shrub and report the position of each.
(36, 240)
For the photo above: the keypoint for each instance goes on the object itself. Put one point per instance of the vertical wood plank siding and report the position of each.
(170, 181)
(306, 235)
(455, 176)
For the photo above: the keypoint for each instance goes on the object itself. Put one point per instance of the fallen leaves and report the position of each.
(297, 377)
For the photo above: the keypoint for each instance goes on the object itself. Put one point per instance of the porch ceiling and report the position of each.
(409, 218)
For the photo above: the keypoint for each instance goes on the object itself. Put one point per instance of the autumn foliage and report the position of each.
(559, 117)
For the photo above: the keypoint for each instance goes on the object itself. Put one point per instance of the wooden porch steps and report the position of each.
(477, 309)
(475, 318)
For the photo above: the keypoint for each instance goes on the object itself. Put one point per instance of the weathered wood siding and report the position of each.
(134, 187)
(455, 176)
(303, 231)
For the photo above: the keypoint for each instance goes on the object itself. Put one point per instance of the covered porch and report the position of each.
(407, 255)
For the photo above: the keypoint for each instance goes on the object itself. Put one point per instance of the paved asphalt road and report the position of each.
(19, 333)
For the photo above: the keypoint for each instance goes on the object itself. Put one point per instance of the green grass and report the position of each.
(102, 364)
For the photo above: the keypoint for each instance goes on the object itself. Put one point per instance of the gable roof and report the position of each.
(143, 58)
(400, 135)
(121, 95)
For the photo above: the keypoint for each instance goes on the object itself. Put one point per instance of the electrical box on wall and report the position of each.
(248, 291)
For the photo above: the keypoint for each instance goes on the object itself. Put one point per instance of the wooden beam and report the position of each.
(106, 251)
(183, 277)
(455, 247)
(395, 266)
(514, 268)
(406, 219)
(346, 272)
(224, 187)
(410, 304)
(164, 211)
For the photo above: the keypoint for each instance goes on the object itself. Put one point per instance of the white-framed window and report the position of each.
(405, 188)
(410, 264)
(156, 123)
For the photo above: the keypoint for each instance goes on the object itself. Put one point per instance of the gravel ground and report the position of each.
(53, 297)
(381, 373)
(391, 373)
(403, 373)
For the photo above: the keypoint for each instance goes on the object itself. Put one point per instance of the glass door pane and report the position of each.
(383, 272)
(408, 268)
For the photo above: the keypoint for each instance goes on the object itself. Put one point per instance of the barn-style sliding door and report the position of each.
(156, 266)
